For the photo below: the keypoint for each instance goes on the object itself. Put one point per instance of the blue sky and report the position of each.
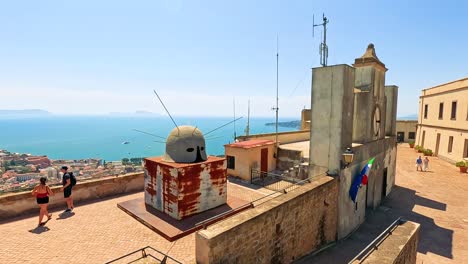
(95, 57)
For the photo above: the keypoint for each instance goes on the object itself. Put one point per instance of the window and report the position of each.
(411, 135)
(231, 160)
(425, 110)
(453, 116)
(450, 145)
(441, 110)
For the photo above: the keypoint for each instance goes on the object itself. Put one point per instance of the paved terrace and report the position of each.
(100, 232)
(436, 199)
(95, 233)
(302, 146)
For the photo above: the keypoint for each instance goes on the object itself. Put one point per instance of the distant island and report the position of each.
(24, 113)
(293, 124)
(408, 117)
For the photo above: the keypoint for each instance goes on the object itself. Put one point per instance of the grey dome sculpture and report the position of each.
(185, 144)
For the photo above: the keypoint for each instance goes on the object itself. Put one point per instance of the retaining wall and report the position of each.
(278, 231)
(17, 204)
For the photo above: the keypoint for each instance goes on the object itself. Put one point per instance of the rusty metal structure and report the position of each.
(185, 181)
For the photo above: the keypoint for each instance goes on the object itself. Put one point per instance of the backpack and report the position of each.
(72, 179)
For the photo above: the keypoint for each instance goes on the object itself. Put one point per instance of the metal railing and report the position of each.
(162, 258)
(274, 182)
(374, 245)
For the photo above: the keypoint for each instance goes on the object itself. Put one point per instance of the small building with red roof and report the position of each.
(243, 156)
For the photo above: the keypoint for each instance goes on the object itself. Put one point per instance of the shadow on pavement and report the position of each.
(432, 238)
(65, 215)
(39, 229)
(400, 202)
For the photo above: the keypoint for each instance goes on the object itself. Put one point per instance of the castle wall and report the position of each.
(351, 214)
(278, 231)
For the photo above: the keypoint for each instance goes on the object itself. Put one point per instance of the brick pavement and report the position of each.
(436, 199)
(96, 233)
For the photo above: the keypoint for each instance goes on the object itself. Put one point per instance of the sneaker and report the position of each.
(68, 210)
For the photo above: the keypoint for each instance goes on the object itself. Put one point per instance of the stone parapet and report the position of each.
(278, 231)
(398, 248)
(17, 204)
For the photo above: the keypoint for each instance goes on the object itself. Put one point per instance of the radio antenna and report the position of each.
(277, 87)
(148, 133)
(323, 50)
(222, 126)
(234, 109)
(247, 128)
(167, 111)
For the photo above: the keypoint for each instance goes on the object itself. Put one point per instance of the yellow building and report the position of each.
(244, 156)
(443, 120)
(406, 130)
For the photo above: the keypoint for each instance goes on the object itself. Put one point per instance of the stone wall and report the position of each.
(288, 158)
(17, 204)
(398, 248)
(351, 214)
(283, 137)
(278, 231)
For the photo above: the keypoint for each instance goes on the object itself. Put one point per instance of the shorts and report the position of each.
(67, 192)
(42, 200)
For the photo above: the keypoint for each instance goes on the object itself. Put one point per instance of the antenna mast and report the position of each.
(247, 128)
(276, 108)
(323, 46)
(234, 107)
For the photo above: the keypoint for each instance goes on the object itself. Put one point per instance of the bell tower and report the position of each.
(369, 100)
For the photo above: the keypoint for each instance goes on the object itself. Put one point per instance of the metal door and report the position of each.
(400, 136)
(264, 160)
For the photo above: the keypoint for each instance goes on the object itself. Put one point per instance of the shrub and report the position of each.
(427, 152)
(461, 164)
(417, 147)
(411, 142)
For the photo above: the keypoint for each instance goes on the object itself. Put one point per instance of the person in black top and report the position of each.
(42, 192)
(67, 188)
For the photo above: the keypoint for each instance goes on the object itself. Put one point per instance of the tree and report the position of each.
(136, 161)
(125, 161)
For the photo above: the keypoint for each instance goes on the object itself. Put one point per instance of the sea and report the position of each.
(81, 137)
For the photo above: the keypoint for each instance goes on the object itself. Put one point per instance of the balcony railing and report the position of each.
(148, 254)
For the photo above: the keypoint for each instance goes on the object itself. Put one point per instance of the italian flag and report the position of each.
(365, 172)
(360, 180)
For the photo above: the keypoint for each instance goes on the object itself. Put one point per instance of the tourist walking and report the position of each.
(42, 192)
(419, 164)
(426, 163)
(67, 182)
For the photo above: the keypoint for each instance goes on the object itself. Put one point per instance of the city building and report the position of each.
(244, 156)
(406, 130)
(443, 120)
